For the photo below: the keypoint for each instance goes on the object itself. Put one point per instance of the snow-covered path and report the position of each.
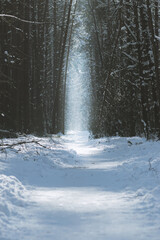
(75, 189)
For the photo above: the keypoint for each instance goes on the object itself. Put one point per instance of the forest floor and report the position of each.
(75, 188)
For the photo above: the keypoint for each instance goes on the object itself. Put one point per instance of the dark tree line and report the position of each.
(33, 45)
(125, 66)
(123, 49)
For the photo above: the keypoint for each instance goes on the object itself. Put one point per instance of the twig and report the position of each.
(150, 166)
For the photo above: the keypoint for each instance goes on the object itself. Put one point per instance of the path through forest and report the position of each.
(80, 189)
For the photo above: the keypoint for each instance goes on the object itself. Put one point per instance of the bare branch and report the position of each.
(5, 145)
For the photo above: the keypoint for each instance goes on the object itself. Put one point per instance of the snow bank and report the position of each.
(80, 188)
(13, 200)
(12, 193)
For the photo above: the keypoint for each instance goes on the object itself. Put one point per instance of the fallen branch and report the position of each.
(6, 146)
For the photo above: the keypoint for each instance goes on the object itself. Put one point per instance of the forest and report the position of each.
(79, 119)
(121, 42)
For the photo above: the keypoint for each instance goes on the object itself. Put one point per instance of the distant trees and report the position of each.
(124, 63)
(33, 44)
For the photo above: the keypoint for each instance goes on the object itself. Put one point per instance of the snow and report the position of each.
(75, 188)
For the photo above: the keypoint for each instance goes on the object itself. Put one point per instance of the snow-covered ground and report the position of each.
(73, 188)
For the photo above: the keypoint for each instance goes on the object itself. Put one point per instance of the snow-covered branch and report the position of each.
(131, 32)
(22, 20)
(158, 38)
(130, 57)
